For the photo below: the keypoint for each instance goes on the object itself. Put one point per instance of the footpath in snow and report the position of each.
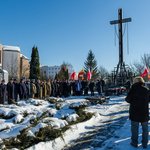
(108, 130)
(121, 139)
(114, 134)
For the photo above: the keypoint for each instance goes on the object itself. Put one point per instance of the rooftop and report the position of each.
(12, 48)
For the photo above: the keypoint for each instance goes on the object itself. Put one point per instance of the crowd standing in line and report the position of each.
(13, 91)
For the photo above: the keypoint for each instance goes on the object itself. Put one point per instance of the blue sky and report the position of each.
(65, 30)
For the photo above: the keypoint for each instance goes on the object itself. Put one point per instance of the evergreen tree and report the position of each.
(63, 74)
(91, 64)
(34, 64)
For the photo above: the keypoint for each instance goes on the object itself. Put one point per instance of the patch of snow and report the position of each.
(12, 132)
(4, 126)
(38, 127)
(57, 99)
(51, 111)
(55, 122)
(30, 134)
(18, 118)
(78, 104)
(72, 117)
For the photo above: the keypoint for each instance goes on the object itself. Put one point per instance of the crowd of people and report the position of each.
(138, 96)
(13, 91)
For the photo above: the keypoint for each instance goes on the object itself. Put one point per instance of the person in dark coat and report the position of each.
(73, 88)
(11, 91)
(98, 87)
(22, 89)
(102, 85)
(127, 85)
(28, 87)
(38, 89)
(48, 88)
(86, 88)
(3, 92)
(44, 90)
(78, 87)
(65, 88)
(84, 84)
(16, 89)
(91, 87)
(53, 88)
(138, 97)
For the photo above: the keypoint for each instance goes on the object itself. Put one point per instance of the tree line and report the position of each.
(90, 64)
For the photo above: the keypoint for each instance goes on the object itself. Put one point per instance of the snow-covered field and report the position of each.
(32, 115)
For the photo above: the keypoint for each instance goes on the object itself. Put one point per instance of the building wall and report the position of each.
(51, 71)
(24, 67)
(1, 70)
(44, 71)
(11, 60)
(1, 49)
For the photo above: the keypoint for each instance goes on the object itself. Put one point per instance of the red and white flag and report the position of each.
(73, 76)
(148, 73)
(145, 72)
(89, 75)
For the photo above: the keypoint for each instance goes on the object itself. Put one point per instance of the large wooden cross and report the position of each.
(120, 21)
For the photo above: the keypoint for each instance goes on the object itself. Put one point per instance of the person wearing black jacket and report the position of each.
(91, 87)
(10, 91)
(16, 90)
(22, 89)
(38, 89)
(3, 92)
(138, 97)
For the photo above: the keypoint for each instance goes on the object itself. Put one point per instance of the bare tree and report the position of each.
(103, 72)
(139, 66)
(146, 60)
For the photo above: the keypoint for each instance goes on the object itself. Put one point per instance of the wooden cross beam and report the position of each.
(119, 22)
(121, 70)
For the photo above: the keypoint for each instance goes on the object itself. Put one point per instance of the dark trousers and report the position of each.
(135, 132)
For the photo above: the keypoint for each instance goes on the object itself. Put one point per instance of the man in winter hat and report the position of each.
(138, 97)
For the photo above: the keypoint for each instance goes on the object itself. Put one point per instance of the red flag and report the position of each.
(145, 73)
(73, 76)
(89, 75)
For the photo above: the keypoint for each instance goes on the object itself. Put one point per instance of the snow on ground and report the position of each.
(21, 116)
(76, 131)
(121, 139)
(69, 135)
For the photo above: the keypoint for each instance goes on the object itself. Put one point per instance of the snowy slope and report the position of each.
(112, 117)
